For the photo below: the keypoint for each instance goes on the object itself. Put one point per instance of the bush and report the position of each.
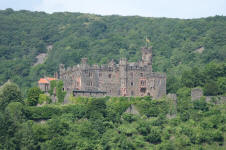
(44, 98)
(33, 96)
(45, 112)
(9, 92)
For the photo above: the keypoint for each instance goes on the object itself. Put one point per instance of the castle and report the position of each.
(123, 79)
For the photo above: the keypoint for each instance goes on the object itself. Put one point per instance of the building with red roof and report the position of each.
(44, 83)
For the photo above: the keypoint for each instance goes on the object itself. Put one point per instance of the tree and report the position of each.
(59, 91)
(10, 92)
(43, 98)
(33, 96)
(211, 88)
(221, 84)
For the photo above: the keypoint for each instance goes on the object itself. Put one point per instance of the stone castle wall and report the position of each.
(123, 79)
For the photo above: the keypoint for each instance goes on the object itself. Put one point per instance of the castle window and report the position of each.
(142, 90)
(109, 75)
(89, 83)
(141, 74)
(143, 82)
(90, 74)
(131, 83)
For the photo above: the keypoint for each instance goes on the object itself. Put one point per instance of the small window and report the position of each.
(142, 90)
(89, 83)
(90, 74)
(141, 74)
(143, 82)
(109, 75)
(131, 83)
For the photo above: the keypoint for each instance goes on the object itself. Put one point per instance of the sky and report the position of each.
(149, 8)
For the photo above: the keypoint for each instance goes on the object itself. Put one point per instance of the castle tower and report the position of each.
(147, 57)
(61, 70)
(123, 76)
(84, 63)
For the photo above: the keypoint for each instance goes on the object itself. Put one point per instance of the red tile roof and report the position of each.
(46, 80)
(50, 79)
(43, 80)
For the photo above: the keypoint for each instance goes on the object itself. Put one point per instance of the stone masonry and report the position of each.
(123, 79)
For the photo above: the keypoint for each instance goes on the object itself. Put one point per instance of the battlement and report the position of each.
(122, 79)
(158, 75)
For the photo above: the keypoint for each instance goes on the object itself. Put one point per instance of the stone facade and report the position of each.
(123, 79)
(196, 93)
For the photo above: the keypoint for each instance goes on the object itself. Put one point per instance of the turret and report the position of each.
(61, 70)
(147, 57)
(84, 63)
(123, 76)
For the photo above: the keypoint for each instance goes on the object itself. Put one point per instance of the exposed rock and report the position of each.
(196, 93)
(171, 116)
(41, 58)
(199, 50)
(132, 110)
(172, 96)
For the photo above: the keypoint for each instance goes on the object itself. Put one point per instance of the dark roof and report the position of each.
(87, 91)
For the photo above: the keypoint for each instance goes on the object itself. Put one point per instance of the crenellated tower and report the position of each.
(147, 57)
(123, 76)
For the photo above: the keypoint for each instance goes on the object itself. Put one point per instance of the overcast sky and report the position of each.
(149, 8)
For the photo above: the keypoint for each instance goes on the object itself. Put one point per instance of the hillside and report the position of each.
(105, 123)
(178, 44)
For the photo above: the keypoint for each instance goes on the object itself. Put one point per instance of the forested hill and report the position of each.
(178, 44)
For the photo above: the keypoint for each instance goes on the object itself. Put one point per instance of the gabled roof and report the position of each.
(46, 80)
(50, 79)
(43, 80)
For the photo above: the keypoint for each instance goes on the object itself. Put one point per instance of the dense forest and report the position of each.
(178, 44)
(192, 52)
(103, 123)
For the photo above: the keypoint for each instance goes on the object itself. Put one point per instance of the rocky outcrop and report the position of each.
(132, 110)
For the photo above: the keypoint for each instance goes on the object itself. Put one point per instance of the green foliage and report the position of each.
(33, 96)
(43, 98)
(57, 87)
(175, 42)
(129, 117)
(100, 123)
(15, 112)
(211, 88)
(9, 92)
(45, 112)
(221, 82)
